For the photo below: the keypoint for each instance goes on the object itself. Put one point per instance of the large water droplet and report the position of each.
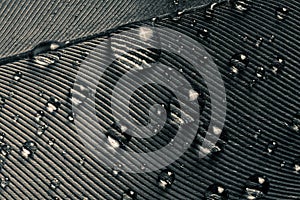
(166, 179)
(46, 59)
(216, 192)
(239, 62)
(129, 195)
(281, 13)
(28, 149)
(46, 46)
(256, 187)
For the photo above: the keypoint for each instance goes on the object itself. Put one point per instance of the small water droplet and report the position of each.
(216, 192)
(166, 179)
(5, 149)
(297, 165)
(117, 137)
(55, 183)
(282, 164)
(41, 129)
(272, 38)
(177, 16)
(41, 93)
(241, 5)
(18, 76)
(239, 62)
(82, 161)
(2, 161)
(260, 72)
(277, 65)
(129, 195)
(28, 149)
(16, 118)
(256, 187)
(52, 105)
(259, 42)
(4, 182)
(51, 142)
(203, 33)
(79, 94)
(296, 122)
(2, 136)
(272, 146)
(71, 117)
(39, 115)
(281, 13)
(209, 11)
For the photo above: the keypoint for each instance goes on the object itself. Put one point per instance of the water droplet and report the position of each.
(241, 5)
(55, 183)
(5, 149)
(52, 105)
(51, 142)
(2, 136)
(46, 59)
(82, 161)
(297, 165)
(277, 65)
(260, 72)
(216, 192)
(28, 149)
(129, 195)
(259, 42)
(177, 16)
(79, 94)
(117, 137)
(272, 146)
(2, 161)
(281, 13)
(4, 182)
(18, 76)
(145, 33)
(166, 179)
(209, 12)
(256, 187)
(296, 122)
(203, 33)
(16, 118)
(71, 117)
(39, 115)
(46, 46)
(239, 62)
(41, 129)
(272, 38)
(41, 93)
(282, 164)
